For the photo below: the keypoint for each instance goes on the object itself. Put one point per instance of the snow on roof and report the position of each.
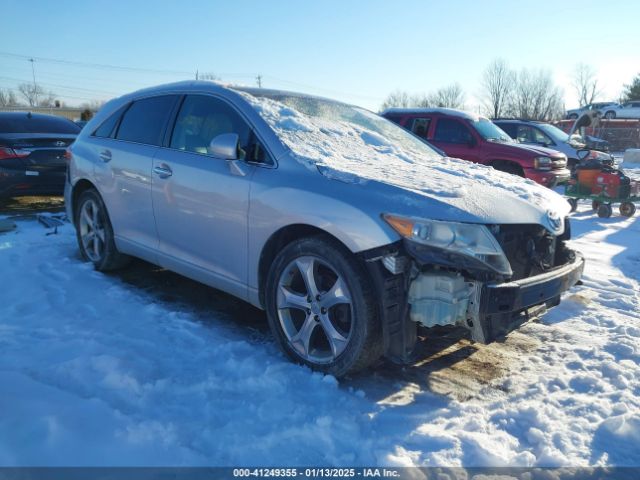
(444, 111)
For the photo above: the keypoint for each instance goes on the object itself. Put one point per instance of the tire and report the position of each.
(573, 203)
(302, 286)
(610, 115)
(605, 210)
(627, 209)
(95, 234)
(595, 205)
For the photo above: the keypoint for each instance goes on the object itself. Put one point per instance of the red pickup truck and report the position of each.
(470, 137)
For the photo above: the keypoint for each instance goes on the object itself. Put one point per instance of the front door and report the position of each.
(200, 202)
(456, 139)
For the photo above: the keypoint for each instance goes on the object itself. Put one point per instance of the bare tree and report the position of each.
(536, 97)
(31, 92)
(451, 96)
(8, 98)
(498, 82)
(585, 84)
(36, 96)
(398, 98)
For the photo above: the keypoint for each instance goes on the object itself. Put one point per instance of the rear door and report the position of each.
(200, 201)
(123, 170)
(419, 126)
(455, 138)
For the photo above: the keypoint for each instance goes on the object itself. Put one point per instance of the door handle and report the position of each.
(163, 171)
(105, 156)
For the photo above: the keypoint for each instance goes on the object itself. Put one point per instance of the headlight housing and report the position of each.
(467, 239)
(542, 163)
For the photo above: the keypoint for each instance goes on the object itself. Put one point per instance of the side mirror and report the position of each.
(224, 146)
(582, 154)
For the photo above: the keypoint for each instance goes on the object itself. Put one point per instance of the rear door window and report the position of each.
(449, 130)
(420, 126)
(108, 127)
(146, 120)
(509, 128)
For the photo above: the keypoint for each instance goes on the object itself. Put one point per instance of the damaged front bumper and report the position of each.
(502, 307)
(487, 309)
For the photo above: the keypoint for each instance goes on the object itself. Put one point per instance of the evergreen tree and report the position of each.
(632, 91)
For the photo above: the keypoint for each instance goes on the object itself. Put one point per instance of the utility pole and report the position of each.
(259, 80)
(35, 88)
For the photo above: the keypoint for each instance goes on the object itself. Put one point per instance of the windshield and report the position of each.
(554, 132)
(490, 131)
(336, 121)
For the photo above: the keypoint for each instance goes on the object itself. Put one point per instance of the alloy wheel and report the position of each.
(92, 232)
(315, 309)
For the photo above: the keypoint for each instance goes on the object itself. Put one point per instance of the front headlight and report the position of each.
(542, 163)
(471, 240)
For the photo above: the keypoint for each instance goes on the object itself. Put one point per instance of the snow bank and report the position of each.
(94, 371)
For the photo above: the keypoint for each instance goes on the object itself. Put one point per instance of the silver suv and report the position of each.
(349, 231)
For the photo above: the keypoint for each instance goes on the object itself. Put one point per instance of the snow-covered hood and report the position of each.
(442, 188)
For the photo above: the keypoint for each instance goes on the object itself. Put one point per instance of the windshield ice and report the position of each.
(351, 144)
(366, 128)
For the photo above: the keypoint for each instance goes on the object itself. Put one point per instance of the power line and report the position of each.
(95, 65)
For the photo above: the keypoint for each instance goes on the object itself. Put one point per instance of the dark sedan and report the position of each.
(32, 153)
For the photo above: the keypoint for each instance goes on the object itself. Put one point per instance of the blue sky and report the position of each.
(357, 51)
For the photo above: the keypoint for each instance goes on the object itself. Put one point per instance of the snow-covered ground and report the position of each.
(97, 371)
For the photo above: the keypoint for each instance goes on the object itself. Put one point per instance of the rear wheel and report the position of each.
(605, 210)
(321, 307)
(627, 209)
(95, 234)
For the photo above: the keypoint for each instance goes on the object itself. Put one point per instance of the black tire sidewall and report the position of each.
(110, 254)
(364, 312)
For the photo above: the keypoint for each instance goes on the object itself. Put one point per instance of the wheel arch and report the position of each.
(507, 163)
(78, 189)
(277, 241)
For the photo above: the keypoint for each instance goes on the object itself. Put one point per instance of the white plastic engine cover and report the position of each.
(439, 298)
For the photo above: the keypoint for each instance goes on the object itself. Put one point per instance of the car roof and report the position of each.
(35, 116)
(442, 111)
(515, 120)
(214, 86)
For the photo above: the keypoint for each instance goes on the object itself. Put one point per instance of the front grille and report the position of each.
(530, 249)
(557, 163)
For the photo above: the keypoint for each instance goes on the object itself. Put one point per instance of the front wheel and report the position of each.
(627, 209)
(610, 115)
(95, 234)
(321, 307)
(605, 210)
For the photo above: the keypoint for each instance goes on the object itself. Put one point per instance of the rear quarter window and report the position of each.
(107, 128)
(37, 124)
